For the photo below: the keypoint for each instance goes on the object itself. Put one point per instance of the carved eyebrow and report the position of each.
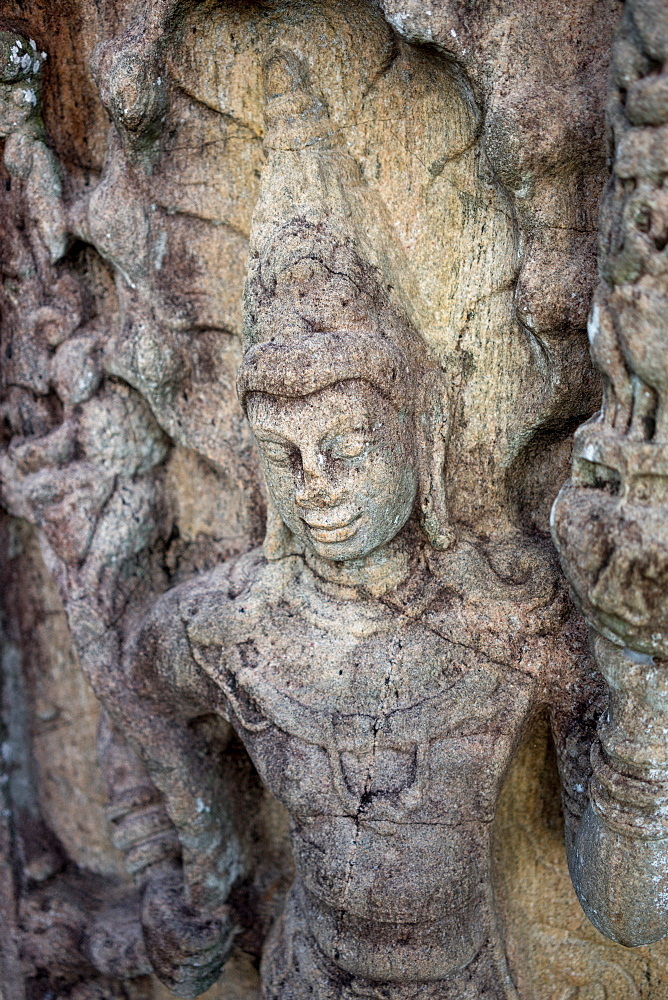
(271, 437)
(346, 425)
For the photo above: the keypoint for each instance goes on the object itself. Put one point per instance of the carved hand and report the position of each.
(186, 948)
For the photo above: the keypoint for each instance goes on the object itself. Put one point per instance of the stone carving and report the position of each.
(86, 465)
(333, 655)
(609, 522)
(383, 655)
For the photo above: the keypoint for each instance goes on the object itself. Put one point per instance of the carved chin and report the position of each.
(354, 540)
(348, 541)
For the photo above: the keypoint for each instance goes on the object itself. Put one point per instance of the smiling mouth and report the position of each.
(330, 533)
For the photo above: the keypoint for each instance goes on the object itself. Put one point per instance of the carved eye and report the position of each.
(347, 445)
(276, 453)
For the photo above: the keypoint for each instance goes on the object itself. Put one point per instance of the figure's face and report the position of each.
(340, 466)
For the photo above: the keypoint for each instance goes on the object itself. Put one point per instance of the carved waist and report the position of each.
(396, 951)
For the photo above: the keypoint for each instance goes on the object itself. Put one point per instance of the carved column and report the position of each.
(610, 521)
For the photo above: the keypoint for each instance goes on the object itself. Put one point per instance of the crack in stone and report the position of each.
(367, 796)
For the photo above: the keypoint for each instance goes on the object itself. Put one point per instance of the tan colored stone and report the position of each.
(436, 174)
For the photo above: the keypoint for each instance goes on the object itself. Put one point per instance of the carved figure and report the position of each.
(386, 741)
(338, 657)
(380, 664)
(334, 658)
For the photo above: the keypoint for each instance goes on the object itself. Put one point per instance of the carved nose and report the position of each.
(315, 490)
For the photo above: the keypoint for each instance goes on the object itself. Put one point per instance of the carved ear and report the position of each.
(433, 433)
(279, 541)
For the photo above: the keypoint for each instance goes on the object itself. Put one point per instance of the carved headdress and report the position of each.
(321, 306)
(317, 314)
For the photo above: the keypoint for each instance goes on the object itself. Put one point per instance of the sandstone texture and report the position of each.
(303, 689)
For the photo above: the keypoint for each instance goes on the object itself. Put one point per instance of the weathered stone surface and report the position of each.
(409, 194)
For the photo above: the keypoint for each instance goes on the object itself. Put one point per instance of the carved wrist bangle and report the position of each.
(632, 806)
(163, 847)
(142, 829)
(129, 800)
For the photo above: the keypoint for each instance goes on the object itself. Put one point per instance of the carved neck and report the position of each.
(383, 570)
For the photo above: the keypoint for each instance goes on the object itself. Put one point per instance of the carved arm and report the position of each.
(158, 705)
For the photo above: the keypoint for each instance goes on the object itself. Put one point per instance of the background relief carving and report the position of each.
(385, 214)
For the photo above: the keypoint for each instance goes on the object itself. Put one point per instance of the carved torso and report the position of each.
(387, 744)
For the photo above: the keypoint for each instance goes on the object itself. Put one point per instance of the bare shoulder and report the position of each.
(235, 600)
(163, 648)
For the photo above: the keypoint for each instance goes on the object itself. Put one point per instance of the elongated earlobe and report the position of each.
(433, 434)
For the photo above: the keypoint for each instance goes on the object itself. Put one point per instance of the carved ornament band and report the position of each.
(315, 361)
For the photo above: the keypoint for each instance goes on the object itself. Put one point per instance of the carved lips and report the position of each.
(327, 532)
